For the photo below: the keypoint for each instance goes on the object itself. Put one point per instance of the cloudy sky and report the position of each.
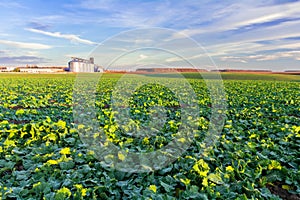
(235, 34)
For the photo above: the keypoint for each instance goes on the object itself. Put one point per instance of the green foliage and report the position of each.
(42, 155)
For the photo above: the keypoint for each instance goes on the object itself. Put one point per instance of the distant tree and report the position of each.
(17, 69)
(66, 69)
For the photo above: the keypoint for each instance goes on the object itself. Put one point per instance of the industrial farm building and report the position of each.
(41, 70)
(83, 65)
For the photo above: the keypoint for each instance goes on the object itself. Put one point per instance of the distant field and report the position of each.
(224, 75)
(42, 155)
(249, 76)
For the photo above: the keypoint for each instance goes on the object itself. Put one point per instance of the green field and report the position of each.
(43, 156)
(235, 76)
(224, 75)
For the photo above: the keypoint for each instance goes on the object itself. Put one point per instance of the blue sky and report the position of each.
(236, 34)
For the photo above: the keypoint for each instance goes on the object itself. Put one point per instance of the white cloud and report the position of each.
(97, 4)
(263, 57)
(291, 46)
(233, 59)
(174, 59)
(10, 4)
(232, 48)
(119, 49)
(25, 45)
(133, 14)
(253, 41)
(142, 57)
(260, 14)
(71, 37)
(244, 15)
(188, 58)
(227, 29)
(23, 60)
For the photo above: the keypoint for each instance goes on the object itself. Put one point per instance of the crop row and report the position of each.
(43, 152)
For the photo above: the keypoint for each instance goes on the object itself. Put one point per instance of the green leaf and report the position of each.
(168, 188)
(67, 165)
